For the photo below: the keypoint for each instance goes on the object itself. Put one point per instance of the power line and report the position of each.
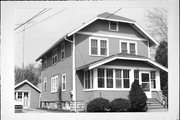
(113, 13)
(42, 20)
(38, 14)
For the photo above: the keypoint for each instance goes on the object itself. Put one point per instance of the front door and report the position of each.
(145, 82)
(26, 100)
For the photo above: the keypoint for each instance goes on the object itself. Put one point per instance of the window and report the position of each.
(45, 84)
(45, 62)
(109, 78)
(124, 47)
(113, 26)
(118, 78)
(94, 47)
(54, 84)
(136, 75)
(127, 47)
(62, 51)
(103, 45)
(54, 56)
(101, 78)
(64, 82)
(19, 95)
(153, 80)
(126, 78)
(88, 79)
(98, 46)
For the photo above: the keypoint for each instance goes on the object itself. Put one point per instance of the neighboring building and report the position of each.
(101, 58)
(28, 94)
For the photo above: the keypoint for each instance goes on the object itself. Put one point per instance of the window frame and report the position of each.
(128, 46)
(63, 81)
(99, 39)
(90, 79)
(153, 80)
(45, 62)
(54, 84)
(117, 26)
(62, 50)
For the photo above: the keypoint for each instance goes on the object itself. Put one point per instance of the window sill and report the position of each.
(99, 55)
(106, 89)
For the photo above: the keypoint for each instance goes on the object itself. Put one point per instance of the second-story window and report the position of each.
(113, 26)
(54, 56)
(128, 47)
(62, 51)
(98, 46)
(45, 62)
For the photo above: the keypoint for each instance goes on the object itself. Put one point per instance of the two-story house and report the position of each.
(101, 58)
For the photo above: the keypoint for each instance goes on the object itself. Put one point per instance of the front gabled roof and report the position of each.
(121, 56)
(27, 82)
(109, 17)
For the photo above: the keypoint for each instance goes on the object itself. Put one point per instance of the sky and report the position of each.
(41, 36)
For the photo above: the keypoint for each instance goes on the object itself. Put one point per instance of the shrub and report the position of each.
(137, 98)
(120, 105)
(98, 105)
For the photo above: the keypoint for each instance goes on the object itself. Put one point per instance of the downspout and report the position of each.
(73, 70)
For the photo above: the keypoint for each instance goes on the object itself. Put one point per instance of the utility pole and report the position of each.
(23, 54)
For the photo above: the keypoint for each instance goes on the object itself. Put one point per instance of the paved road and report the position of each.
(30, 110)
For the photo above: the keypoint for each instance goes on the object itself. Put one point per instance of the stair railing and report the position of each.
(162, 99)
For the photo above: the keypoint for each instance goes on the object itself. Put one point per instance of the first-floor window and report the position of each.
(136, 75)
(63, 82)
(19, 95)
(118, 78)
(54, 84)
(153, 80)
(126, 78)
(101, 78)
(109, 77)
(88, 79)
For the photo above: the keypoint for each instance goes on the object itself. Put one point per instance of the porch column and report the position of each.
(158, 85)
(95, 81)
(131, 77)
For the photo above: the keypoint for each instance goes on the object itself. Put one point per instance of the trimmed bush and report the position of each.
(120, 105)
(137, 98)
(98, 105)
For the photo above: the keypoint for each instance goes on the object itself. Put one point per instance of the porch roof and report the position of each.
(121, 56)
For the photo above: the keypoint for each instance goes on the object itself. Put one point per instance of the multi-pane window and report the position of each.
(109, 78)
(98, 46)
(88, 79)
(113, 26)
(118, 78)
(54, 56)
(153, 80)
(103, 45)
(101, 78)
(45, 62)
(62, 51)
(54, 84)
(19, 95)
(127, 47)
(132, 48)
(136, 75)
(63, 82)
(124, 47)
(126, 78)
(94, 47)
(45, 84)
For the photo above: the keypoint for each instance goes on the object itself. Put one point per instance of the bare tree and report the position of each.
(157, 23)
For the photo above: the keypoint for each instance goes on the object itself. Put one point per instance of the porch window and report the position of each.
(54, 84)
(126, 78)
(118, 78)
(103, 45)
(153, 80)
(132, 48)
(62, 51)
(101, 78)
(19, 95)
(64, 82)
(113, 26)
(94, 47)
(54, 56)
(136, 75)
(124, 47)
(88, 79)
(109, 77)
